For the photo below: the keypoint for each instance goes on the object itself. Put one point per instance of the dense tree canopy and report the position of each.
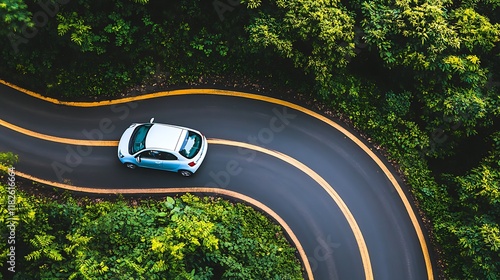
(420, 78)
(317, 35)
(475, 229)
(14, 16)
(447, 52)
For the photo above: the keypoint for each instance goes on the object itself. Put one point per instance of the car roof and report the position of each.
(164, 136)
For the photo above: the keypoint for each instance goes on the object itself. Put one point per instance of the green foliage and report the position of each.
(318, 36)
(141, 1)
(44, 247)
(121, 29)
(475, 30)
(174, 238)
(8, 159)
(409, 33)
(79, 32)
(14, 15)
(208, 44)
(474, 231)
(398, 105)
(438, 51)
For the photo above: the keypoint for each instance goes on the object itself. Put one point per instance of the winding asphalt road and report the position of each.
(346, 209)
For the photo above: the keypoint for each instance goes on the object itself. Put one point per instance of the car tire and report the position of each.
(185, 173)
(130, 165)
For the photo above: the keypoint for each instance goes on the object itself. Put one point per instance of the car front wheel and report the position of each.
(185, 173)
(131, 165)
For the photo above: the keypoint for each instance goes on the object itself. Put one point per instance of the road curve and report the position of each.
(74, 144)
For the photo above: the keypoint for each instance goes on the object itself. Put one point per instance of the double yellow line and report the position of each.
(338, 200)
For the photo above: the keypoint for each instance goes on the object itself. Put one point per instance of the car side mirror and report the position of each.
(152, 120)
(138, 158)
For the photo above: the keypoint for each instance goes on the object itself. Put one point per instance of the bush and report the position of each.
(188, 237)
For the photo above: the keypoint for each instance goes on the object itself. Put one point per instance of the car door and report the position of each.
(170, 162)
(150, 159)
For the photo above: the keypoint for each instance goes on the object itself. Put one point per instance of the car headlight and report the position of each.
(120, 154)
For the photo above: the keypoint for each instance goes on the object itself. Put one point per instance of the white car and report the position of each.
(162, 146)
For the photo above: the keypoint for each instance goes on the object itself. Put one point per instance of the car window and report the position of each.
(138, 139)
(152, 154)
(166, 156)
(149, 154)
(191, 145)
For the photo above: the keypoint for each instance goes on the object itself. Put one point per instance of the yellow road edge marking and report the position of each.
(128, 99)
(57, 139)
(366, 149)
(217, 191)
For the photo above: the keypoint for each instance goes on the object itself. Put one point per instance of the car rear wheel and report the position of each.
(185, 173)
(131, 165)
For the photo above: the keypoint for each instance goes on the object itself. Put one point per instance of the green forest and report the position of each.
(419, 78)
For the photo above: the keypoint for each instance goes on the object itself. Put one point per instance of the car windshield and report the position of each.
(191, 145)
(138, 139)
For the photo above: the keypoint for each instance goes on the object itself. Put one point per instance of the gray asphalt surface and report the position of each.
(323, 231)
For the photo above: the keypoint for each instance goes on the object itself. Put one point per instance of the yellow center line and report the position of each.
(217, 191)
(366, 149)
